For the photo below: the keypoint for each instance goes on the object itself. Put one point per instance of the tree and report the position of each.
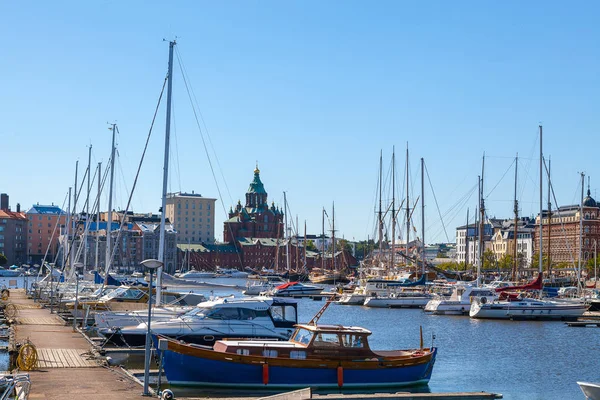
(343, 244)
(3, 259)
(535, 260)
(489, 260)
(506, 262)
(310, 246)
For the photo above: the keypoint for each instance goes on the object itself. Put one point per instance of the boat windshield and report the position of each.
(124, 293)
(284, 314)
(198, 312)
(303, 336)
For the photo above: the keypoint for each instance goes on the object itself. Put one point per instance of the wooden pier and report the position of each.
(66, 369)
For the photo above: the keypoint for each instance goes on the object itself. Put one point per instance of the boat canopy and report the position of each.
(537, 284)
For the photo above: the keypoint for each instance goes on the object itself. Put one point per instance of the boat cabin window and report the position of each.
(302, 336)
(248, 313)
(224, 313)
(283, 314)
(196, 312)
(243, 352)
(132, 294)
(269, 353)
(350, 340)
(298, 354)
(326, 340)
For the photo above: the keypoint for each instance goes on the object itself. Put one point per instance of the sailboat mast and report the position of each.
(67, 243)
(580, 235)
(287, 243)
(549, 224)
(392, 264)
(323, 240)
(407, 209)
(481, 222)
(161, 243)
(333, 237)
(297, 249)
(87, 207)
(98, 214)
(380, 221)
(73, 223)
(467, 242)
(109, 214)
(304, 262)
(540, 262)
(516, 211)
(423, 213)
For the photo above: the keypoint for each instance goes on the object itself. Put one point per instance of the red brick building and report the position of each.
(254, 238)
(561, 231)
(256, 219)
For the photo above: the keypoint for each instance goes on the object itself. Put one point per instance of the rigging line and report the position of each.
(176, 145)
(210, 163)
(502, 178)
(184, 74)
(436, 202)
(114, 250)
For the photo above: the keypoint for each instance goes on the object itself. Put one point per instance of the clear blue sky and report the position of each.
(311, 90)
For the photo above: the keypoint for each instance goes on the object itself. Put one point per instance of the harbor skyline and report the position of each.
(312, 93)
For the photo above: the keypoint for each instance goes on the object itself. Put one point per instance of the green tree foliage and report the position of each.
(310, 246)
(342, 244)
(506, 262)
(3, 259)
(364, 247)
(489, 260)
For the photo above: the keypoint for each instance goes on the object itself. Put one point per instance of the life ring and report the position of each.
(483, 300)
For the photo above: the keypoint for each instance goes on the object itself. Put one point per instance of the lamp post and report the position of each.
(151, 264)
(77, 265)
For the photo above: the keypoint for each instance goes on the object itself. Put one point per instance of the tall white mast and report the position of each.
(423, 213)
(109, 214)
(161, 243)
(580, 235)
(541, 224)
(392, 264)
(87, 207)
(481, 223)
(75, 195)
(287, 237)
(407, 209)
(98, 213)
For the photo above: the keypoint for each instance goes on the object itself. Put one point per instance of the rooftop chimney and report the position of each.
(19, 207)
(3, 201)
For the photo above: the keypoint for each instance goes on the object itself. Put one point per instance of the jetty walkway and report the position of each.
(67, 369)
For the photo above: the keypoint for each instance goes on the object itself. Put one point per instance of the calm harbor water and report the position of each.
(520, 359)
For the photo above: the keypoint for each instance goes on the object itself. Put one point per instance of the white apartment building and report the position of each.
(192, 216)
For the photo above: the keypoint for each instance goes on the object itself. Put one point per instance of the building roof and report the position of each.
(589, 201)
(183, 194)
(151, 227)
(13, 215)
(256, 186)
(42, 209)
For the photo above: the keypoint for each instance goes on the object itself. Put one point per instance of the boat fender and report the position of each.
(340, 376)
(167, 395)
(265, 374)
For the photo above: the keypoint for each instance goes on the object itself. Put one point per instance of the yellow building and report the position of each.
(192, 216)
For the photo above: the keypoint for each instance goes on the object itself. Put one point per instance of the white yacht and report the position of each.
(193, 274)
(400, 299)
(251, 317)
(231, 273)
(264, 284)
(291, 289)
(116, 319)
(527, 309)
(459, 302)
(370, 288)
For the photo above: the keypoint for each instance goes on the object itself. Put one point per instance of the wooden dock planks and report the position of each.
(63, 358)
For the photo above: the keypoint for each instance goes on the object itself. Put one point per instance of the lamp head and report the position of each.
(152, 263)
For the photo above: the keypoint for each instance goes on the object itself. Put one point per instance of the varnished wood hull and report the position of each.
(192, 366)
